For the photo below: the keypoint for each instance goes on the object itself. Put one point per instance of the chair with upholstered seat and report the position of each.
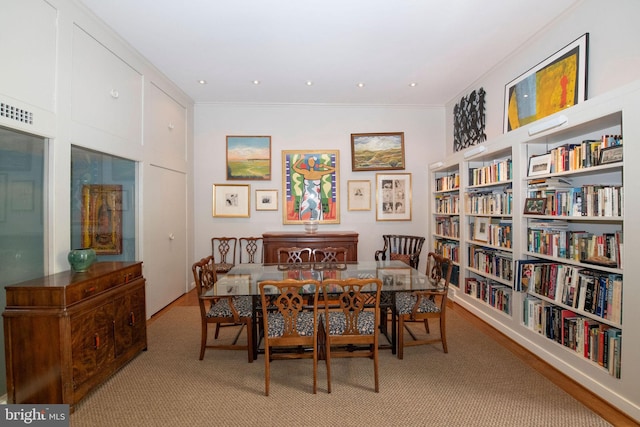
(330, 257)
(294, 255)
(223, 250)
(420, 306)
(401, 247)
(227, 310)
(289, 323)
(250, 250)
(351, 318)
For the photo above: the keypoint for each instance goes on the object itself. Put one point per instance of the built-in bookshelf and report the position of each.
(544, 253)
(446, 217)
(488, 203)
(571, 268)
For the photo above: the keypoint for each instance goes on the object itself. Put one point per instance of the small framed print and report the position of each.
(611, 155)
(393, 197)
(535, 206)
(481, 229)
(231, 200)
(266, 200)
(359, 195)
(540, 165)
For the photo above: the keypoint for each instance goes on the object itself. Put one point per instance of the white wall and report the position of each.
(613, 56)
(311, 127)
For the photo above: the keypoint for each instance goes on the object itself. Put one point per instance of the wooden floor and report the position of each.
(580, 393)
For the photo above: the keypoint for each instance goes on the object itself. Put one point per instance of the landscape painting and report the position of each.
(377, 151)
(249, 157)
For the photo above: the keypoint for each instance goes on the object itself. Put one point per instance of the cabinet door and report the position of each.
(107, 92)
(130, 330)
(165, 130)
(91, 342)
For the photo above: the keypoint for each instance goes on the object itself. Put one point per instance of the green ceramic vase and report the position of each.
(81, 259)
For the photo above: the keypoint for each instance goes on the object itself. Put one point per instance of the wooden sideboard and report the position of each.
(280, 239)
(68, 332)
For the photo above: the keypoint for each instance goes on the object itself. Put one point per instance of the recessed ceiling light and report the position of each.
(256, 82)
(360, 84)
(202, 82)
(309, 83)
(413, 84)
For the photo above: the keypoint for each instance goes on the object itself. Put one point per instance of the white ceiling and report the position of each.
(442, 45)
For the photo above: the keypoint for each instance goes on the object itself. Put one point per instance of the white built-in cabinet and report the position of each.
(614, 113)
(106, 91)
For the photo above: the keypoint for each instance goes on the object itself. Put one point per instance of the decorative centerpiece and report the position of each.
(311, 226)
(81, 259)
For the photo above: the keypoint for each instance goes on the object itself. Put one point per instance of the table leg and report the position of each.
(394, 329)
(254, 326)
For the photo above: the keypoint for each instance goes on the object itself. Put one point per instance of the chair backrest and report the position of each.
(405, 248)
(294, 255)
(288, 299)
(352, 297)
(204, 274)
(251, 250)
(439, 271)
(223, 250)
(330, 255)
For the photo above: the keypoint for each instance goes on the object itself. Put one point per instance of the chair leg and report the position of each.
(203, 340)
(400, 337)
(426, 325)
(266, 370)
(328, 362)
(443, 334)
(375, 369)
(249, 342)
(217, 331)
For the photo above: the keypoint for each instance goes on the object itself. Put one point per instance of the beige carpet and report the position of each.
(478, 383)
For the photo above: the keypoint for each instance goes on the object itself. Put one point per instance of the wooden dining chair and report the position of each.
(401, 247)
(221, 310)
(251, 250)
(223, 250)
(294, 255)
(330, 257)
(350, 320)
(420, 306)
(289, 323)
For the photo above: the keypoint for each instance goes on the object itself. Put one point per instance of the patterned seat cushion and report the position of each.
(304, 326)
(337, 323)
(401, 257)
(406, 300)
(221, 308)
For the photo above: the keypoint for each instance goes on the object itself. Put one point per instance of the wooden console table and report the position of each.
(280, 239)
(66, 333)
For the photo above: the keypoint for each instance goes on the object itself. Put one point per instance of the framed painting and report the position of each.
(481, 229)
(540, 165)
(377, 151)
(249, 157)
(535, 206)
(359, 193)
(558, 82)
(231, 200)
(102, 218)
(310, 183)
(393, 197)
(266, 200)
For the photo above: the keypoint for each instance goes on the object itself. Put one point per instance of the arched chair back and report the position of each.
(223, 250)
(251, 250)
(401, 247)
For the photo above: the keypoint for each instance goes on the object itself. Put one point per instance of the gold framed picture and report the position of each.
(359, 192)
(102, 218)
(231, 200)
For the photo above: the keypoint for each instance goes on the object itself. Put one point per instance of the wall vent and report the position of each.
(15, 113)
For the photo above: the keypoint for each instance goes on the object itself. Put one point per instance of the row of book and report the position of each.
(447, 204)
(447, 249)
(588, 200)
(491, 261)
(600, 343)
(499, 171)
(448, 226)
(590, 291)
(449, 182)
(583, 155)
(599, 249)
(489, 203)
(494, 231)
(493, 293)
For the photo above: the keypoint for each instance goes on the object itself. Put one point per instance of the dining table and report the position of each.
(396, 276)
